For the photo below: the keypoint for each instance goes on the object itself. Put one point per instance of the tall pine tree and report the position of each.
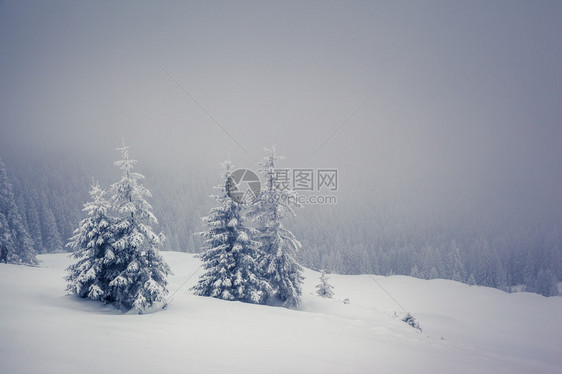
(13, 234)
(97, 264)
(278, 264)
(142, 283)
(230, 253)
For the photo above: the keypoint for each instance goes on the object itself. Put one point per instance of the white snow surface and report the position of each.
(465, 329)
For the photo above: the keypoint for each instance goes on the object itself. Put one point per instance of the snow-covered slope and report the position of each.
(466, 329)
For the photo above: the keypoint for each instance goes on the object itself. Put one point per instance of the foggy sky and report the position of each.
(468, 102)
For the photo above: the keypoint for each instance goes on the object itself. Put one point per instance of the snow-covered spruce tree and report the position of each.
(278, 264)
(34, 222)
(415, 272)
(410, 320)
(97, 264)
(5, 236)
(13, 234)
(324, 289)
(547, 284)
(529, 275)
(230, 253)
(455, 268)
(142, 282)
(52, 242)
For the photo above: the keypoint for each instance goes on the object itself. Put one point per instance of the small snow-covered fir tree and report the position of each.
(455, 268)
(529, 275)
(5, 236)
(97, 264)
(13, 234)
(324, 289)
(230, 253)
(547, 284)
(415, 272)
(410, 320)
(433, 273)
(142, 283)
(278, 264)
(52, 241)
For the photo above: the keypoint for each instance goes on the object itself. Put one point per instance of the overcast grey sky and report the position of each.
(468, 102)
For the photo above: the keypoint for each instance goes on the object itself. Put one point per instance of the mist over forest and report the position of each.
(367, 235)
(443, 121)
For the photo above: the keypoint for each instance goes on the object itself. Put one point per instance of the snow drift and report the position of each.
(465, 329)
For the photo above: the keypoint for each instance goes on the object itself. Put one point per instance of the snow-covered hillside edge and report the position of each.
(465, 329)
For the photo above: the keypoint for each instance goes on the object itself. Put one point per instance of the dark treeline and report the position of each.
(50, 193)
(352, 237)
(502, 258)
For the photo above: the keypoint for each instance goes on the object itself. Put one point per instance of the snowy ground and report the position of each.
(466, 329)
